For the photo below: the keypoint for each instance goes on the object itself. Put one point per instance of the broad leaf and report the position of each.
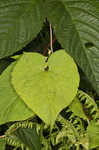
(76, 24)
(46, 91)
(20, 21)
(29, 137)
(2, 144)
(93, 133)
(12, 108)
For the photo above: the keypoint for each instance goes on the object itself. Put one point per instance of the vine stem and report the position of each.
(47, 46)
(50, 44)
(51, 39)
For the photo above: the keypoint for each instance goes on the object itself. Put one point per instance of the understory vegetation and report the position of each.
(49, 75)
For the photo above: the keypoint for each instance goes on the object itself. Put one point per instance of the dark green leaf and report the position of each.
(76, 23)
(20, 21)
(28, 137)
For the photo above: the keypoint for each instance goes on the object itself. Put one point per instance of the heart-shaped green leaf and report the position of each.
(46, 91)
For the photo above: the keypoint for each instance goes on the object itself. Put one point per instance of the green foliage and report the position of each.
(29, 137)
(87, 137)
(20, 21)
(93, 133)
(39, 86)
(76, 23)
(71, 131)
(47, 86)
(90, 107)
(10, 102)
(24, 135)
(68, 132)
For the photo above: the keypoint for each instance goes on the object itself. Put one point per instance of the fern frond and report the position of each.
(75, 120)
(21, 124)
(70, 131)
(13, 141)
(24, 124)
(90, 107)
(67, 130)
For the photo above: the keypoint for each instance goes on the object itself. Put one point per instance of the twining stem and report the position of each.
(51, 39)
(51, 48)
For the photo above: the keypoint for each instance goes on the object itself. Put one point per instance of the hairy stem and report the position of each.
(48, 45)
